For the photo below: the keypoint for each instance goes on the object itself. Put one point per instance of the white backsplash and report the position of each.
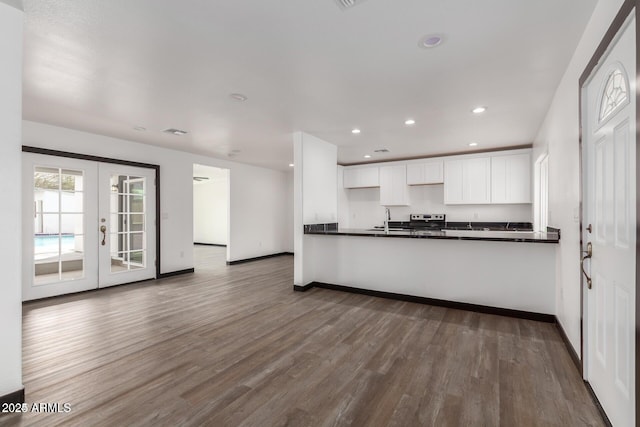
(363, 208)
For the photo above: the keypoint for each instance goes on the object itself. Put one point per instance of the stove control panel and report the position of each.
(427, 217)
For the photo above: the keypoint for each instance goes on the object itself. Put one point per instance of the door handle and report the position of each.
(103, 229)
(587, 255)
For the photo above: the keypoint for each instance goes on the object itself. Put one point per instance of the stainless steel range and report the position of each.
(427, 221)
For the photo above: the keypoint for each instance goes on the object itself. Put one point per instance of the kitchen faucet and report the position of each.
(387, 214)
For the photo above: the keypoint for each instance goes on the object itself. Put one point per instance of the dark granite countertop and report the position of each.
(489, 235)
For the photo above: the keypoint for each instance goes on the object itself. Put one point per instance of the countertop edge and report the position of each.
(488, 238)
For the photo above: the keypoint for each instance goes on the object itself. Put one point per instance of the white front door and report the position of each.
(609, 176)
(67, 203)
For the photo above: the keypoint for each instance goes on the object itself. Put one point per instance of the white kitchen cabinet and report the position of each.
(425, 173)
(361, 177)
(467, 181)
(393, 186)
(511, 178)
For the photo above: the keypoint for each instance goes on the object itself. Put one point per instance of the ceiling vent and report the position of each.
(348, 4)
(382, 150)
(175, 131)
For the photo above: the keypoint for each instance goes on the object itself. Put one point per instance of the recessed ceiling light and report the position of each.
(290, 165)
(140, 128)
(367, 156)
(355, 131)
(479, 110)
(239, 97)
(473, 144)
(431, 40)
(409, 122)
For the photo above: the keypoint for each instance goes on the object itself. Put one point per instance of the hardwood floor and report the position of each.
(235, 346)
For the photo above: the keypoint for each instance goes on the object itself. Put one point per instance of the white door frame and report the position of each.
(628, 7)
(156, 168)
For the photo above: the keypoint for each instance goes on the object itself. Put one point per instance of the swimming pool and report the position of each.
(47, 244)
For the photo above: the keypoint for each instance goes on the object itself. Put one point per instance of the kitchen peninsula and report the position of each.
(510, 270)
(439, 258)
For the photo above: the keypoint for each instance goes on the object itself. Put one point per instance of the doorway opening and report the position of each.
(211, 219)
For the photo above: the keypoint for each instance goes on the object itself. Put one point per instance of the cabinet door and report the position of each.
(453, 182)
(350, 178)
(425, 173)
(369, 177)
(360, 177)
(393, 186)
(433, 172)
(415, 173)
(511, 179)
(477, 180)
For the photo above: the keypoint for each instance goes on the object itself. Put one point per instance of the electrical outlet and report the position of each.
(181, 254)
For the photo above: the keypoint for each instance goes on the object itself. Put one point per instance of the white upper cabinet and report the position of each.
(361, 177)
(511, 178)
(430, 172)
(467, 181)
(393, 186)
(453, 181)
(474, 179)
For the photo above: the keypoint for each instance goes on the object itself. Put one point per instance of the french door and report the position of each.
(86, 225)
(609, 233)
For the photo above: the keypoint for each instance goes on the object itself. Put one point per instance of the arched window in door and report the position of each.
(615, 94)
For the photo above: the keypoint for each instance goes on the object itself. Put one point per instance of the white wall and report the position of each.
(258, 212)
(559, 135)
(343, 200)
(210, 211)
(315, 194)
(289, 217)
(10, 188)
(364, 210)
(257, 196)
(319, 163)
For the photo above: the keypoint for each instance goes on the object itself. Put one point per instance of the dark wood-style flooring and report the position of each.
(235, 346)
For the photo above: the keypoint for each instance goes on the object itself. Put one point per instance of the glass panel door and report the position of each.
(58, 225)
(86, 225)
(59, 254)
(129, 236)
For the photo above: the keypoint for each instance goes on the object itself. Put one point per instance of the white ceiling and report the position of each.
(108, 66)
